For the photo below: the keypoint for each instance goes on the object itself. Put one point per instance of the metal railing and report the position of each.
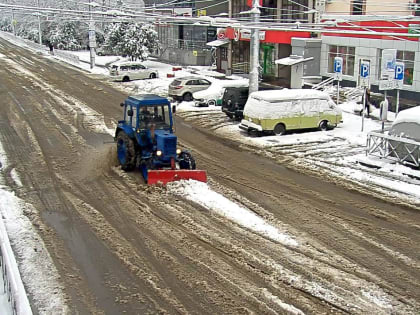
(322, 85)
(185, 44)
(353, 93)
(401, 150)
(240, 68)
(13, 286)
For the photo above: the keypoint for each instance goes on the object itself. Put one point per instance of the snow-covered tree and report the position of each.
(135, 40)
(65, 36)
(6, 24)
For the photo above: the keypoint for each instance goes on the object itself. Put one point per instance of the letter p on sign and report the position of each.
(399, 71)
(364, 69)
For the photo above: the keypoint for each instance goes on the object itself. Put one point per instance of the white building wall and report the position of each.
(374, 7)
(370, 49)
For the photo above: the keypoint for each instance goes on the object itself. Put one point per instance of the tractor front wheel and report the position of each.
(126, 151)
(186, 161)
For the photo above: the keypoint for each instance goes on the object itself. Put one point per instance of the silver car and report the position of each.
(130, 70)
(183, 88)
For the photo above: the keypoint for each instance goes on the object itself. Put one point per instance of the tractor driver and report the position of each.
(144, 118)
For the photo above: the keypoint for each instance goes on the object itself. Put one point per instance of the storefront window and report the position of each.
(292, 11)
(407, 57)
(345, 52)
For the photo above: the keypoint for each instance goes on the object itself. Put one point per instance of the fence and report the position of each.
(13, 286)
(240, 68)
(187, 44)
(401, 150)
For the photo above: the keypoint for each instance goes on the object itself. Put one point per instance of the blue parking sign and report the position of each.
(364, 69)
(399, 71)
(338, 65)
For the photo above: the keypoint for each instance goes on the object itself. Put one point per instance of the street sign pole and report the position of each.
(364, 82)
(399, 80)
(338, 74)
(363, 109)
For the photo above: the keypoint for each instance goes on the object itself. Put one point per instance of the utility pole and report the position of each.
(255, 48)
(39, 25)
(92, 39)
(229, 53)
(13, 22)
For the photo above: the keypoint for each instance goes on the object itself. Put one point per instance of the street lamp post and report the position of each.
(39, 25)
(255, 48)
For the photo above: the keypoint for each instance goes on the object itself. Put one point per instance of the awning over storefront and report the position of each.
(292, 60)
(218, 42)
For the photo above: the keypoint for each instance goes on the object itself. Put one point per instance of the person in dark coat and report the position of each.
(51, 46)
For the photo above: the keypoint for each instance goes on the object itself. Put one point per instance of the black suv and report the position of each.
(233, 102)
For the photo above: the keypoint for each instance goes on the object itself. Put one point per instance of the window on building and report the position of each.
(357, 7)
(345, 52)
(268, 10)
(292, 11)
(407, 57)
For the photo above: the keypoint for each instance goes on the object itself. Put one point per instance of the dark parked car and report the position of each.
(233, 102)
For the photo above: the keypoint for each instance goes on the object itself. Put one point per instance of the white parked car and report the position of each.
(214, 94)
(131, 70)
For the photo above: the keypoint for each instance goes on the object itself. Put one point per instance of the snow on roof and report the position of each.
(274, 104)
(273, 96)
(408, 115)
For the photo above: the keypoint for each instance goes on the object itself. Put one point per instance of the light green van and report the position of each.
(277, 111)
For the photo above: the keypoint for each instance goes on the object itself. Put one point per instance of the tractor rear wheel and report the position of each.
(126, 151)
(186, 161)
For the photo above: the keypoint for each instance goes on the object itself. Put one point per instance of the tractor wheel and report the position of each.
(323, 125)
(126, 151)
(152, 75)
(126, 79)
(186, 161)
(279, 130)
(187, 97)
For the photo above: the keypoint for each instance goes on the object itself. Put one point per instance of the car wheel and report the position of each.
(187, 97)
(126, 79)
(152, 75)
(211, 103)
(323, 125)
(279, 130)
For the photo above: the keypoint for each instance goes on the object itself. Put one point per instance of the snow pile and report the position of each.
(201, 193)
(411, 115)
(36, 267)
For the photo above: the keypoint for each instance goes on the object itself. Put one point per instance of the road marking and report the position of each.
(17, 102)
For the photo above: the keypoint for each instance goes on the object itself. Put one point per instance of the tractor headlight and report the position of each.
(159, 153)
(178, 151)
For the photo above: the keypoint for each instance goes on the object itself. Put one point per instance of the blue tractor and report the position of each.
(145, 139)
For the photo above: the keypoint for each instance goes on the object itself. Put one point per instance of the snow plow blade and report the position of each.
(165, 176)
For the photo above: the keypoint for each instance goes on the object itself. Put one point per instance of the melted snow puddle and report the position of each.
(201, 193)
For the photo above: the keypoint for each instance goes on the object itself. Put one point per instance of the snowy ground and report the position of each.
(337, 152)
